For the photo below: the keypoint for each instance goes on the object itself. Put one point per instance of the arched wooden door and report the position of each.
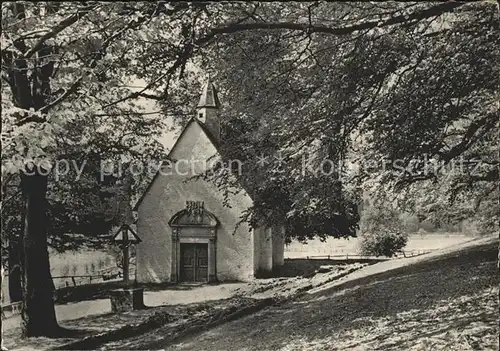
(194, 241)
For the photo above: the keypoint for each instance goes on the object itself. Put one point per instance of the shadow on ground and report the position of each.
(301, 267)
(101, 290)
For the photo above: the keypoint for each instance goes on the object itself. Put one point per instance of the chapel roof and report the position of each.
(209, 97)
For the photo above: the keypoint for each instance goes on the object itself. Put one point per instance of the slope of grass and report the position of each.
(447, 303)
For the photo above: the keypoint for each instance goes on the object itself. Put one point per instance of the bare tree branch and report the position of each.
(416, 16)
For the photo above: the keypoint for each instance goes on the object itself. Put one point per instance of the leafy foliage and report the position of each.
(416, 100)
(52, 111)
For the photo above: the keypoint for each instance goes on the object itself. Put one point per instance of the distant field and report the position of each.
(350, 246)
(79, 262)
(83, 262)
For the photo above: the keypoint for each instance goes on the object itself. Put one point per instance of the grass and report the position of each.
(123, 324)
(445, 303)
(298, 267)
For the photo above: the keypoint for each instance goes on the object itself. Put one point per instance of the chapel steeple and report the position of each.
(208, 109)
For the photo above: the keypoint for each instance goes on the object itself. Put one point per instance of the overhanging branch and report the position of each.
(416, 16)
(238, 26)
(68, 21)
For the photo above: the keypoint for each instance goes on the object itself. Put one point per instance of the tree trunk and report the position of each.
(38, 313)
(15, 273)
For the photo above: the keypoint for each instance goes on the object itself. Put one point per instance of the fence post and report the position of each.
(73, 280)
(347, 257)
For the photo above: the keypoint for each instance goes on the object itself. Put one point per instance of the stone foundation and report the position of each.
(123, 300)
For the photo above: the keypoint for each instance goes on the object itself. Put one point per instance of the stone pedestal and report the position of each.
(123, 300)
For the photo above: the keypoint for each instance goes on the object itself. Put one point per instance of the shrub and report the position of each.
(383, 243)
(382, 233)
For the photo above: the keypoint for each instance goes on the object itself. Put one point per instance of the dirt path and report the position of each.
(446, 302)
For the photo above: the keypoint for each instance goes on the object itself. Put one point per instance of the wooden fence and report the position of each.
(105, 274)
(85, 279)
(14, 308)
(348, 256)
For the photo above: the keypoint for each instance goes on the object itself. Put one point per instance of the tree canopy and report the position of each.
(400, 107)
